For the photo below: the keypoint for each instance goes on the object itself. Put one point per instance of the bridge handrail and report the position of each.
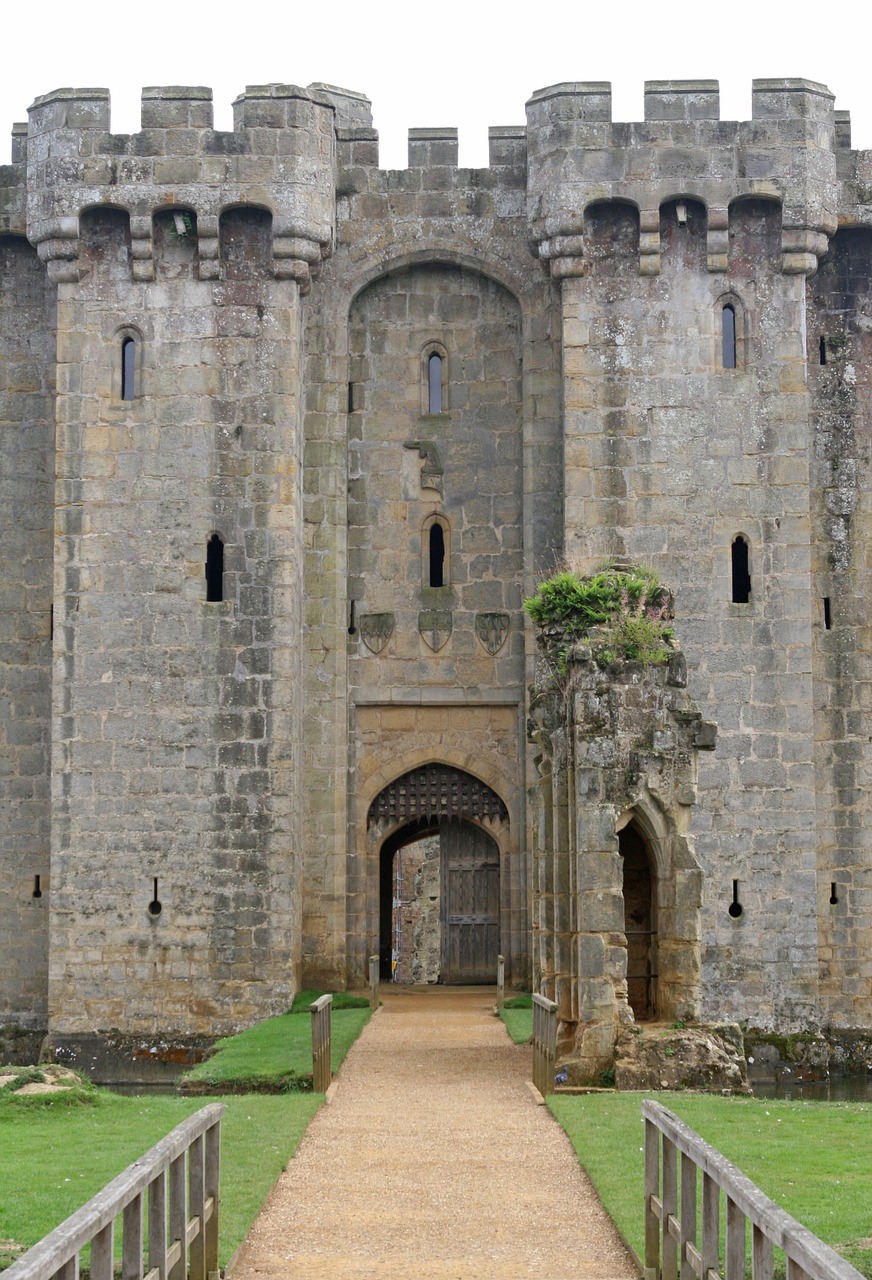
(321, 1010)
(544, 1043)
(57, 1254)
(374, 980)
(805, 1253)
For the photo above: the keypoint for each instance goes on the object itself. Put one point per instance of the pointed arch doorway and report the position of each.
(640, 922)
(440, 812)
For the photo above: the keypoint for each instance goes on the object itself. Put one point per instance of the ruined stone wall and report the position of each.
(616, 747)
(27, 370)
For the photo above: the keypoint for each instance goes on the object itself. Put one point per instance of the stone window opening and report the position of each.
(828, 616)
(436, 541)
(214, 570)
(729, 332)
(126, 373)
(434, 383)
(741, 572)
(822, 349)
(128, 369)
(434, 379)
(37, 887)
(728, 336)
(437, 556)
(834, 894)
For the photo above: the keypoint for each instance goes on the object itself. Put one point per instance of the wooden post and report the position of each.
(688, 1215)
(501, 982)
(177, 1265)
(669, 1199)
(131, 1241)
(102, 1250)
(157, 1224)
(544, 1043)
(373, 981)
(322, 1072)
(711, 1212)
(197, 1209)
(213, 1196)
(652, 1191)
(734, 1262)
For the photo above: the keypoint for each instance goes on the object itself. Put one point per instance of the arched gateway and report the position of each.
(441, 835)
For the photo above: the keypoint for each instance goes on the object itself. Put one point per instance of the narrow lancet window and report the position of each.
(741, 571)
(437, 556)
(728, 336)
(214, 570)
(434, 383)
(128, 369)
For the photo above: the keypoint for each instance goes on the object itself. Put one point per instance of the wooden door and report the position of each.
(470, 903)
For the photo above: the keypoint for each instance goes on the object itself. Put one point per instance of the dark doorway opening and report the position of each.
(443, 927)
(640, 924)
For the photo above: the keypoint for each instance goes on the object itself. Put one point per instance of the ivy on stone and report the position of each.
(621, 613)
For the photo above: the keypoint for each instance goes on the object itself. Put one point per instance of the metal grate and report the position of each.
(435, 791)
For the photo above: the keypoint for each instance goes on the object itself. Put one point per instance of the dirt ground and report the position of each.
(434, 1162)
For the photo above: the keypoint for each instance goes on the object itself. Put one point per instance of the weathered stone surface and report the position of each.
(708, 1058)
(283, 296)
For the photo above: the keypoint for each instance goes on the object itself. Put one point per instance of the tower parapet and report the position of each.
(280, 156)
(578, 157)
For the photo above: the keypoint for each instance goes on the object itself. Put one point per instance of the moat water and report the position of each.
(835, 1089)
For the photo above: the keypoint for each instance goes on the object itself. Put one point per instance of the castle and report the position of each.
(288, 439)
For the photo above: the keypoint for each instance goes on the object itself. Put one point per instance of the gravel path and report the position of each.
(432, 1162)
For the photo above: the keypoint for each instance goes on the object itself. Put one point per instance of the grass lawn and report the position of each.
(812, 1158)
(517, 1014)
(277, 1053)
(53, 1157)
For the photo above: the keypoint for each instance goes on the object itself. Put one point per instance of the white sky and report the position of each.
(436, 63)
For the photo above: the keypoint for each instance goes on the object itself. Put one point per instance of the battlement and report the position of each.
(293, 148)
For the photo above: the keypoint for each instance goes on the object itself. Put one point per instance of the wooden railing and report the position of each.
(544, 1043)
(374, 981)
(182, 1220)
(322, 1072)
(501, 982)
(678, 1238)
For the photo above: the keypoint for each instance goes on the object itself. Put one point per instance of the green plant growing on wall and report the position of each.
(621, 613)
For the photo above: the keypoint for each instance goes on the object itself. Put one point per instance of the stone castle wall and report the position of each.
(283, 294)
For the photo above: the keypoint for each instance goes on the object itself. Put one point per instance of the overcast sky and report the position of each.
(443, 63)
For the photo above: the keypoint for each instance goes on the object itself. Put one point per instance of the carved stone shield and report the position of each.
(492, 629)
(435, 626)
(376, 630)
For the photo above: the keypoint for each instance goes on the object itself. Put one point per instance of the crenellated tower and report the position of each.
(288, 438)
